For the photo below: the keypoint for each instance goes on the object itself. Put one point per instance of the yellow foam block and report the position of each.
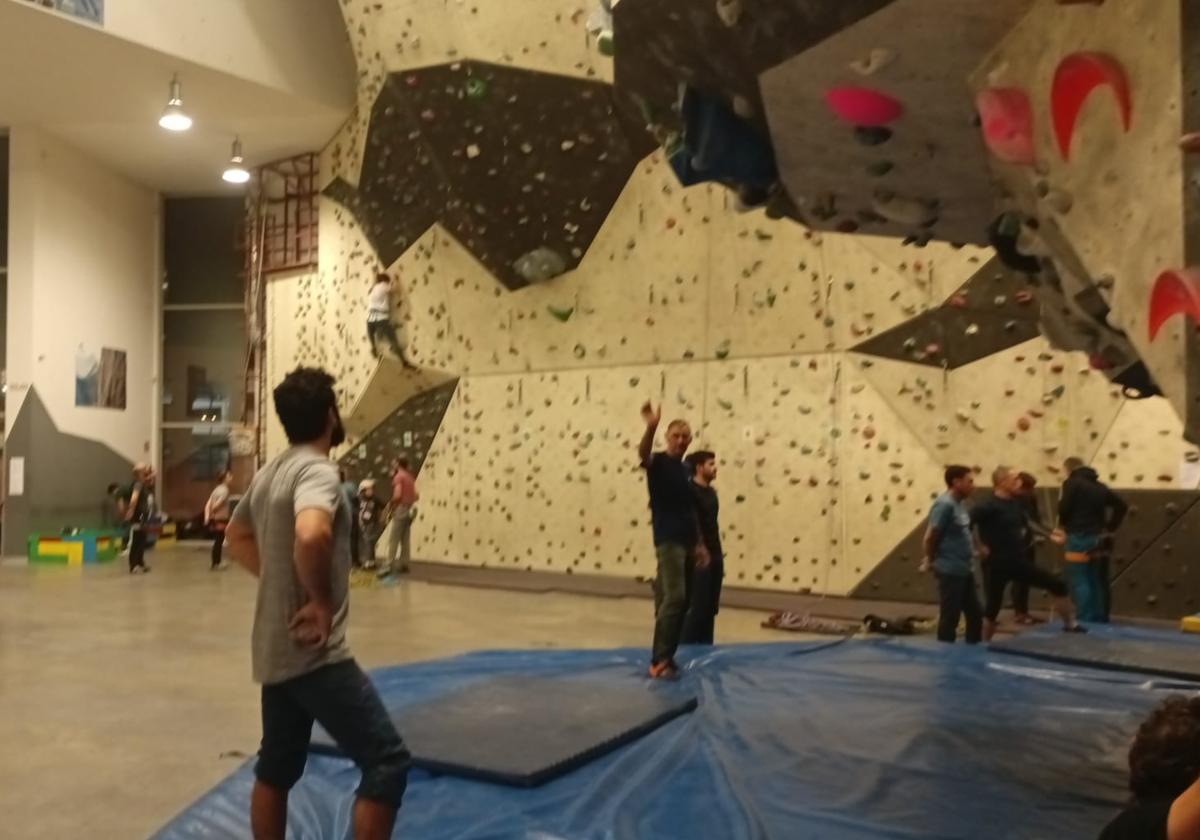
(73, 551)
(1190, 624)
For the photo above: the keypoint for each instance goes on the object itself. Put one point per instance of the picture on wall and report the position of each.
(89, 10)
(100, 382)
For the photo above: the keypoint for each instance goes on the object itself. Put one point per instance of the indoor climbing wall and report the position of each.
(835, 374)
(1085, 107)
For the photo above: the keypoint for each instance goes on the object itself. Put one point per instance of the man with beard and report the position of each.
(292, 531)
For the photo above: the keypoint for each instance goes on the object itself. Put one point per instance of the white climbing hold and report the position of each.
(972, 329)
(473, 151)
(729, 11)
(567, 145)
(875, 61)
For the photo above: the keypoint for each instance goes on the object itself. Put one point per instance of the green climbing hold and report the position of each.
(880, 168)
(770, 297)
(563, 313)
(725, 404)
(886, 513)
(723, 348)
(476, 89)
(580, 351)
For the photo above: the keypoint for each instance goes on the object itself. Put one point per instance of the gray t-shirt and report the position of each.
(299, 479)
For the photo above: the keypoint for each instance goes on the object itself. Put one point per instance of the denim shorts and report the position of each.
(341, 698)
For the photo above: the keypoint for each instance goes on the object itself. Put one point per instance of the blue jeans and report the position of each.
(1085, 591)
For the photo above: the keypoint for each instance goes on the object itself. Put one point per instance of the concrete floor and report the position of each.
(123, 699)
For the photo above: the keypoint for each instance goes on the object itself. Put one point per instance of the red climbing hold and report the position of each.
(863, 107)
(1174, 293)
(1074, 80)
(1007, 122)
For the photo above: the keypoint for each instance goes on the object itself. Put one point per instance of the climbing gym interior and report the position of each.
(850, 243)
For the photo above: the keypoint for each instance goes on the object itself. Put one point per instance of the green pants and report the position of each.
(671, 590)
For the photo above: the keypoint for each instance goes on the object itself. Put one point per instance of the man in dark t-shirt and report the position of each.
(677, 542)
(1002, 528)
(705, 597)
(1164, 775)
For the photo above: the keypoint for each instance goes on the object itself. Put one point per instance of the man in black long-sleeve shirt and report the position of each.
(705, 598)
(1090, 513)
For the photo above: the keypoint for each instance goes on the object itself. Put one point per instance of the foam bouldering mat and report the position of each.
(524, 731)
(1135, 650)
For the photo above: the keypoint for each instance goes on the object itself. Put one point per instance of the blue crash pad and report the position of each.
(525, 730)
(880, 738)
(1112, 648)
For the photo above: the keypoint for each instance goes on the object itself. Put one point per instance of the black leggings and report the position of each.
(958, 598)
(1002, 572)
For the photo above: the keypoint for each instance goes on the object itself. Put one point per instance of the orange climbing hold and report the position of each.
(1007, 122)
(1076, 77)
(862, 106)
(1174, 293)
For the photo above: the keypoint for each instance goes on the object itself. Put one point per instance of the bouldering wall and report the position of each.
(834, 374)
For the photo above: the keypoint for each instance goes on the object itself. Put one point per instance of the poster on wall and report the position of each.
(90, 10)
(100, 381)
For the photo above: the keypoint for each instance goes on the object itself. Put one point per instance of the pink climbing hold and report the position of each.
(1174, 293)
(863, 106)
(1007, 122)
(1076, 77)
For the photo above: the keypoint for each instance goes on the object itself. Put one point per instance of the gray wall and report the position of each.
(65, 477)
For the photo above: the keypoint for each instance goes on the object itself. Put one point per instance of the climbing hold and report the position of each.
(1023, 424)
(958, 302)
(476, 88)
(1023, 297)
(902, 210)
(1007, 123)
(972, 329)
(722, 351)
(862, 106)
(880, 168)
(872, 135)
(540, 264)
(473, 151)
(1174, 293)
(562, 313)
(580, 351)
(729, 11)
(875, 61)
(725, 404)
(1075, 78)
(1059, 201)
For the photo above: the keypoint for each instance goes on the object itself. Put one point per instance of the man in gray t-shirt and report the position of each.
(292, 530)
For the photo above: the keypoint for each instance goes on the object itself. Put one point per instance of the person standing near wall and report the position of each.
(216, 517)
(1003, 537)
(677, 542)
(370, 521)
(137, 514)
(949, 551)
(379, 319)
(401, 509)
(292, 531)
(350, 494)
(1027, 496)
(1090, 514)
(704, 601)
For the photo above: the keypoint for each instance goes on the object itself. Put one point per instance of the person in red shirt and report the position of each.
(402, 510)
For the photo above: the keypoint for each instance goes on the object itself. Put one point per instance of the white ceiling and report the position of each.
(104, 95)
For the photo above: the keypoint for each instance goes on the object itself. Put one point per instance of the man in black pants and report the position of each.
(677, 544)
(704, 601)
(1003, 532)
(136, 514)
(292, 531)
(1091, 513)
(949, 552)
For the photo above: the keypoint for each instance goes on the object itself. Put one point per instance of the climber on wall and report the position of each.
(379, 319)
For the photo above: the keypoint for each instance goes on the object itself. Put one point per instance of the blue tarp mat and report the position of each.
(831, 741)
(526, 730)
(1114, 648)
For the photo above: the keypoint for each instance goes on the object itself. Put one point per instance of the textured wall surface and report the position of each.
(834, 375)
